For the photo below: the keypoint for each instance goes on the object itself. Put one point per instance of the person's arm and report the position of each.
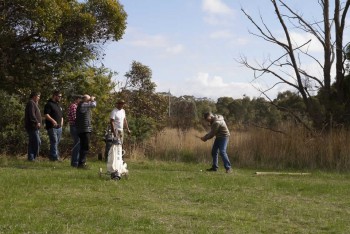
(32, 115)
(126, 125)
(90, 104)
(111, 121)
(49, 118)
(112, 127)
(214, 129)
(47, 110)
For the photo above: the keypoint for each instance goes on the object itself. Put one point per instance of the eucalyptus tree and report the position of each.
(40, 39)
(147, 110)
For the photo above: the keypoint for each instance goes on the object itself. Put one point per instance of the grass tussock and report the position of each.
(258, 148)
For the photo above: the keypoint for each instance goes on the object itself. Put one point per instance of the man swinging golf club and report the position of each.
(220, 131)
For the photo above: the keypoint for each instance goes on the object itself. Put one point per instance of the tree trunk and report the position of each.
(339, 51)
(327, 64)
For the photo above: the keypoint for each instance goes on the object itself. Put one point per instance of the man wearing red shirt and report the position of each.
(72, 114)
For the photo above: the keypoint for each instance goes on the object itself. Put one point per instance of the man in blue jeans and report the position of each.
(54, 123)
(221, 132)
(32, 120)
(72, 114)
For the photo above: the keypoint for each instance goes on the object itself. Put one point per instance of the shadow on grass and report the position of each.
(23, 163)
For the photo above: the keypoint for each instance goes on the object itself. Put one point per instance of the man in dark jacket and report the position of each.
(32, 122)
(54, 122)
(84, 127)
(220, 131)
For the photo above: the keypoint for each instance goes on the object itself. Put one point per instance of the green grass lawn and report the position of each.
(47, 197)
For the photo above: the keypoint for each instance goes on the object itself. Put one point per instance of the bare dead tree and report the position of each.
(288, 68)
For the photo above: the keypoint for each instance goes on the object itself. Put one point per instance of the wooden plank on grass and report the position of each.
(280, 173)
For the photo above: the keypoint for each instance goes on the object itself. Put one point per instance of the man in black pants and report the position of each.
(84, 128)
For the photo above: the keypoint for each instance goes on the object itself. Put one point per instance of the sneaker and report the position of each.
(229, 170)
(83, 166)
(212, 169)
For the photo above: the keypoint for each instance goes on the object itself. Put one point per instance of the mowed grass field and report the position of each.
(159, 197)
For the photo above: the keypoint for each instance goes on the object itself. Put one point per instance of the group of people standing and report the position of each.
(79, 118)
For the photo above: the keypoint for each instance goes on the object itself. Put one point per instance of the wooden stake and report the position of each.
(281, 173)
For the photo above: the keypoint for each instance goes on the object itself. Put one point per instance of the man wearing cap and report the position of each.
(118, 121)
(32, 121)
(72, 114)
(221, 132)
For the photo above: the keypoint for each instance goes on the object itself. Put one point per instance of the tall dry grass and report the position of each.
(179, 146)
(258, 148)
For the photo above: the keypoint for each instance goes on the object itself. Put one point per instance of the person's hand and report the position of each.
(92, 98)
(116, 140)
(54, 123)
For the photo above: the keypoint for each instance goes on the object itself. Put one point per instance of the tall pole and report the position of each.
(169, 101)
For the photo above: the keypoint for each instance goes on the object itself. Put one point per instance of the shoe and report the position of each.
(115, 176)
(229, 170)
(212, 169)
(83, 166)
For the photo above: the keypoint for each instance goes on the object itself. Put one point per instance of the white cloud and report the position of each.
(301, 38)
(242, 41)
(214, 87)
(215, 7)
(177, 49)
(204, 85)
(204, 80)
(223, 34)
(149, 41)
(217, 12)
(313, 69)
(159, 41)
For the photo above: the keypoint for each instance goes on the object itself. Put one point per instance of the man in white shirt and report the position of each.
(118, 121)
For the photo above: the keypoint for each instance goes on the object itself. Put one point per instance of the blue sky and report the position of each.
(191, 46)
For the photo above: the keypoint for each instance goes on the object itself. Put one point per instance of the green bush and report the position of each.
(13, 137)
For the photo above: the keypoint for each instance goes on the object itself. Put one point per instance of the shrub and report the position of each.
(13, 137)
